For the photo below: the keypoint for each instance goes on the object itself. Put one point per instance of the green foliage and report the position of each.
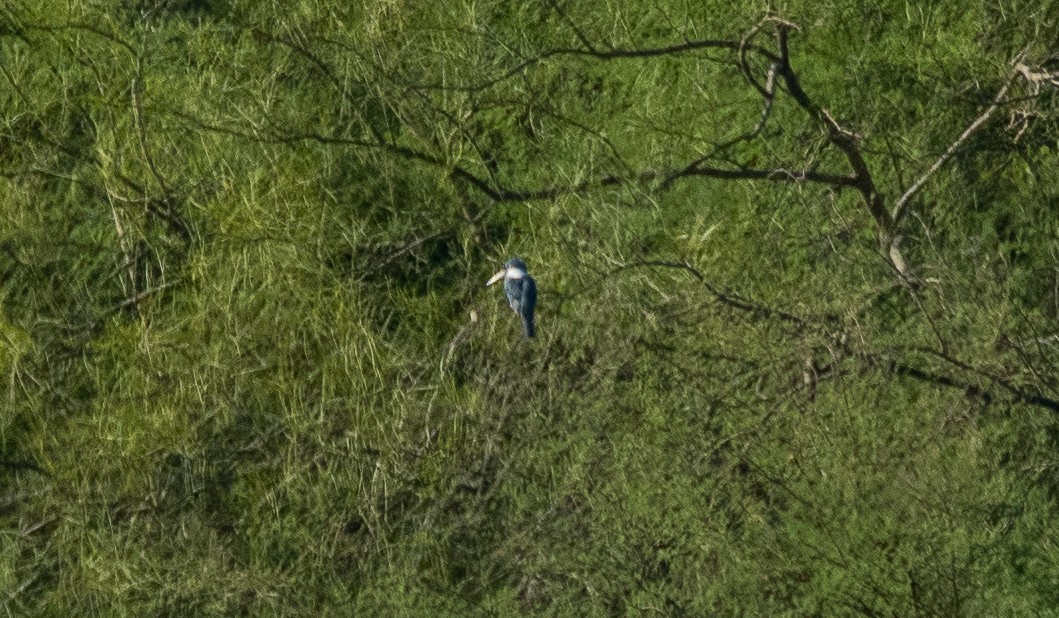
(249, 367)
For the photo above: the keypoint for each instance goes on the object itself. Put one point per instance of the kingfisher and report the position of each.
(521, 291)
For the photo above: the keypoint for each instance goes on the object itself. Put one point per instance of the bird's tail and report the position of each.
(528, 327)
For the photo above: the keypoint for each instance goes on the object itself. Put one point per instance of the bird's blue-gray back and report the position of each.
(522, 296)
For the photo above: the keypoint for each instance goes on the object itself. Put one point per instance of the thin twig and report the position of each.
(1014, 389)
(611, 54)
(513, 195)
(22, 465)
(727, 298)
(837, 136)
(745, 45)
(129, 281)
(136, 298)
(573, 26)
(141, 133)
(901, 206)
(768, 93)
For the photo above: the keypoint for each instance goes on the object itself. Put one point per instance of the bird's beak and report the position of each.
(497, 277)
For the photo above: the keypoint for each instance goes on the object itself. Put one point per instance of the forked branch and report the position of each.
(901, 206)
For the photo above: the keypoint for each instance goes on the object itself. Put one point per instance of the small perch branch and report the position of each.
(901, 207)
(136, 298)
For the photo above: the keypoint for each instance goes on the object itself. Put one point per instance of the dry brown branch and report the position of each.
(1037, 78)
(901, 206)
(458, 339)
(499, 193)
(768, 92)
(839, 137)
(141, 133)
(730, 299)
(610, 54)
(1018, 392)
(135, 299)
(128, 282)
(781, 73)
(848, 144)
(745, 45)
(866, 356)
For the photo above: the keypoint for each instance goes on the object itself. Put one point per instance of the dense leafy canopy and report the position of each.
(249, 366)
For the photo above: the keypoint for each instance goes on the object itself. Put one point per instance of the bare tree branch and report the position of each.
(141, 133)
(781, 72)
(83, 27)
(901, 206)
(1015, 390)
(1018, 394)
(135, 299)
(610, 54)
(730, 299)
(573, 26)
(744, 64)
(507, 194)
(768, 92)
(836, 135)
